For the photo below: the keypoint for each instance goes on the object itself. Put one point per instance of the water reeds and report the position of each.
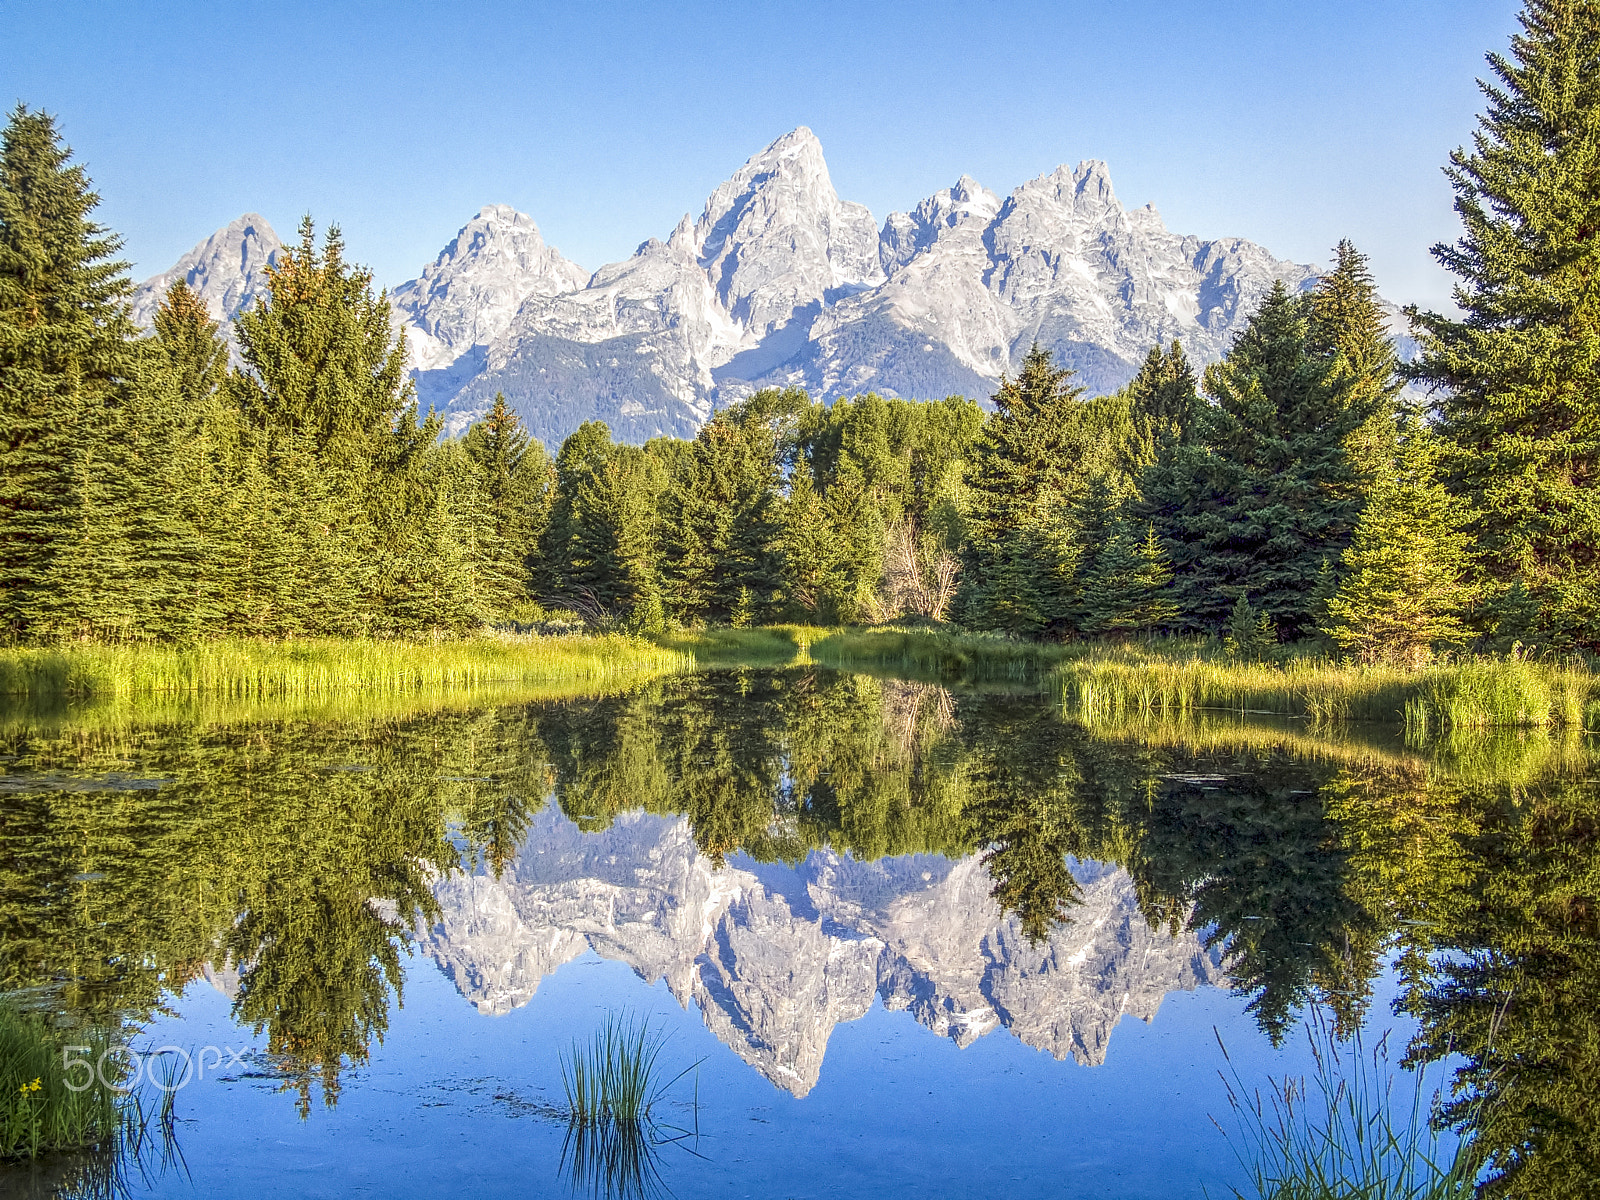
(1472, 694)
(939, 655)
(613, 1084)
(39, 1111)
(245, 668)
(1352, 1132)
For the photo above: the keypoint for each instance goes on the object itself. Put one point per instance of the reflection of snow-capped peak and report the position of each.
(775, 957)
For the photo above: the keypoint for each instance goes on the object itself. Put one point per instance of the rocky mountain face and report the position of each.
(466, 297)
(779, 282)
(775, 957)
(227, 272)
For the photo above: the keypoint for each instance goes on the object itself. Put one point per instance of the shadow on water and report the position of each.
(303, 852)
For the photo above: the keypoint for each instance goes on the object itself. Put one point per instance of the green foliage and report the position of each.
(1404, 590)
(1517, 376)
(39, 1111)
(1025, 477)
(723, 518)
(1126, 590)
(1266, 488)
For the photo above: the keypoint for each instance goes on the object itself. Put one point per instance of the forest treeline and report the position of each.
(178, 485)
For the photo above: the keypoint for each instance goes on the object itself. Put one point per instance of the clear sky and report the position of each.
(1290, 123)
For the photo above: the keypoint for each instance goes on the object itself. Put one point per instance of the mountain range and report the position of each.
(779, 282)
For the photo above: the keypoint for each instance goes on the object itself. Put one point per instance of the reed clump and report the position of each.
(52, 1098)
(613, 1079)
(1353, 1131)
(247, 668)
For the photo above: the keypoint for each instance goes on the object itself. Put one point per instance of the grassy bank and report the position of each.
(1472, 694)
(1103, 683)
(242, 668)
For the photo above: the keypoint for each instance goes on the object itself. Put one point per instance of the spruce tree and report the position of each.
(1517, 377)
(722, 529)
(1162, 401)
(515, 476)
(1127, 590)
(1404, 590)
(1019, 560)
(188, 340)
(1265, 489)
(1347, 328)
(66, 360)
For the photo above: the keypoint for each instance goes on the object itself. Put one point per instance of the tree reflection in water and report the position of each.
(305, 851)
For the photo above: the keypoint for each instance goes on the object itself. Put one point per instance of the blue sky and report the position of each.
(1292, 124)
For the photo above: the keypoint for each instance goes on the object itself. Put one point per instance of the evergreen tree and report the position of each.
(1162, 401)
(1265, 489)
(66, 359)
(723, 530)
(1518, 375)
(1019, 560)
(515, 476)
(1403, 590)
(1127, 589)
(1347, 327)
(188, 341)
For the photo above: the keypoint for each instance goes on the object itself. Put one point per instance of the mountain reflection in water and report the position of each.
(783, 846)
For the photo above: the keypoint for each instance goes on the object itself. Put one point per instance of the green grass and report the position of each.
(1355, 1131)
(614, 1078)
(938, 655)
(244, 668)
(613, 1084)
(39, 1112)
(1471, 694)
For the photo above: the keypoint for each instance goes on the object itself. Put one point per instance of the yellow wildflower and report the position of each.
(36, 1085)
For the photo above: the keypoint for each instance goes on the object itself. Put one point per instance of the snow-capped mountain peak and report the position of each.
(468, 295)
(227, 272)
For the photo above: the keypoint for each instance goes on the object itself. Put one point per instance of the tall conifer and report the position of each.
(66, 359)
(1517, 377)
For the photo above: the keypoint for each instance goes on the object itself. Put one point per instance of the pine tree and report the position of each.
(723, 531)
(326, 405)
(1162, 401)
(66, 359)
(1019, 560)
(1518, 375)
(188, 341)
(515, 475)
(1347, 327)
(1403, 591)
(1127, 589)
(1265, 490)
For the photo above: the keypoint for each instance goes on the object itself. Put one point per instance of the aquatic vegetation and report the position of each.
(1354, 1131)
(939, 654)
(615, 1078)
(39, 1111)
(1471, 694)
(242, 667)
(613, 1085)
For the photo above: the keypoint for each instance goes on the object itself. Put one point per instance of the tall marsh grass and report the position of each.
(39, 1112)
(1473, 694)
(1354, 1131)
(247, 669)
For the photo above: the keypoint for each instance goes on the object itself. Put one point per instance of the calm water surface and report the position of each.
(902, 940)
